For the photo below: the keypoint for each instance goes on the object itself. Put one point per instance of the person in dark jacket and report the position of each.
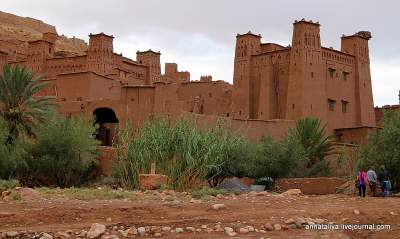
(384, 179)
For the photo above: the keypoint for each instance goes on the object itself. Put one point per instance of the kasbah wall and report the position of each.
(273, 85)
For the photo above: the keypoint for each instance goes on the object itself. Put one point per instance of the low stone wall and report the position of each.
(316, 186)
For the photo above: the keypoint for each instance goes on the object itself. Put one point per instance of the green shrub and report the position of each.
(63, 153)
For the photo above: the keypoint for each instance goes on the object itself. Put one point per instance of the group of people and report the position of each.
(372, 179)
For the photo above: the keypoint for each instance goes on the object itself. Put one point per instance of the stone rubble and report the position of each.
(239, 229)
(96, 230)
(218, 206)
(118, 231)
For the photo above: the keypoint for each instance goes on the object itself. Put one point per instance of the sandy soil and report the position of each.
(59, 214)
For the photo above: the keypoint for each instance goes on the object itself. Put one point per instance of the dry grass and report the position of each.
(101, 193)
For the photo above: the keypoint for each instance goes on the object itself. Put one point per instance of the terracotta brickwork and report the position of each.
(304, 79)
(273, 85)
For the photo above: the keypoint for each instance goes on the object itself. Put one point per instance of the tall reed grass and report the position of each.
(187, 155)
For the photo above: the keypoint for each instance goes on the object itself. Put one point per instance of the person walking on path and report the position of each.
(372, 180)
(362, 181)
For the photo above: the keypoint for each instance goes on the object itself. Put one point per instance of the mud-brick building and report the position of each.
(273, 85)
(306, 79)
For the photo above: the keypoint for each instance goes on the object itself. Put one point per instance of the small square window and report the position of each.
(331, 104)
(344, 106)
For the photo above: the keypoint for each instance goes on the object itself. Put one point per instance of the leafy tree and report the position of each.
(383, 146)
(20, 105)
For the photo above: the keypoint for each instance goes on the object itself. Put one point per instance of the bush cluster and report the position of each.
(190, 156)
(62, 153)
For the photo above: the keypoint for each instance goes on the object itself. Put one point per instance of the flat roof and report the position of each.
(249, 33)
(100, 34)
(308, 22)
(337, 51)
(148, 51)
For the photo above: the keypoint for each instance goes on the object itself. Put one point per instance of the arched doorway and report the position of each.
(107, 120)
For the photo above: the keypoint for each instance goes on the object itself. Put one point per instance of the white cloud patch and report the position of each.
(386, 81)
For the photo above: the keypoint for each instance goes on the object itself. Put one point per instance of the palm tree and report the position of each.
(312, 136)
(20, 106)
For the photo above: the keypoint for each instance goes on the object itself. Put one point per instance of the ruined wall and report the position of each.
(313, 186)
(172, 75)
(252, 129)
(357, 136)
(211, 98)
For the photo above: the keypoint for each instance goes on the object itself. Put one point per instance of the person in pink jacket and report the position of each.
(362, 181)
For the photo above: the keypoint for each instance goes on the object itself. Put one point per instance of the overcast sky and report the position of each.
(199, 35)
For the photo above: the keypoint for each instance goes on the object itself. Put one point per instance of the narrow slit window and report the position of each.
(344, 106)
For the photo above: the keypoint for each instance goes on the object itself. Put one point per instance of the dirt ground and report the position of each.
(57, 214)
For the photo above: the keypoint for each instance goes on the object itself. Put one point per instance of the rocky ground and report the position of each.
(167, 214)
